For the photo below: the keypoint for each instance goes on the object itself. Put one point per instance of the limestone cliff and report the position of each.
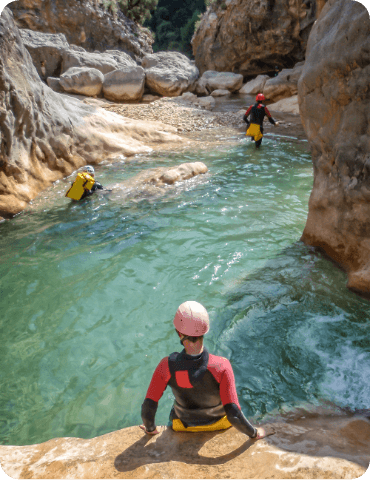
(45, 136)
(252, 36)
(321, 446)
(87, 24)
(334, 99)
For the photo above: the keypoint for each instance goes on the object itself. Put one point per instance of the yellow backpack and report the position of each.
(221, 424)
(83, 182)
(254, 131)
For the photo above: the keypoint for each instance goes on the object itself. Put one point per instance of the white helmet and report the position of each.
(89, 169)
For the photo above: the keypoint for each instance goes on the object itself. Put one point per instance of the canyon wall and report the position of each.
(334, 100)
(87, 24)
(253, 36)
(45, 136)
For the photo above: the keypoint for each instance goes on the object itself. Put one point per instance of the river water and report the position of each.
(89, 291)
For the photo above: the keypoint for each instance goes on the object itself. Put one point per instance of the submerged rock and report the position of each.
(169, 73)
(252, 37)
(316, 447)
(83, 81)
(45, 136)
(334, 99)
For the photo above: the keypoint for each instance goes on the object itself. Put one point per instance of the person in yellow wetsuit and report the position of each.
(258, 111)
(84, 184)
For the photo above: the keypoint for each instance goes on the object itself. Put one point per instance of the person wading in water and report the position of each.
(203, 384)
(258, 111)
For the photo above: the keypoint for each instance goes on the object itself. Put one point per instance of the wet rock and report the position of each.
(207, 102)
(254, 86)
(104, 62)
(284, 85)
(178, 174)
(124, 84)
(169, 73)
(286, 105)
(46, 51)
(334, 101)
(252, 37)
(45, 135)
(212, 80)
(220, 93)
(87, 24)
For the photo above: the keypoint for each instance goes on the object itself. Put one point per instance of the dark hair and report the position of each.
(191, 339)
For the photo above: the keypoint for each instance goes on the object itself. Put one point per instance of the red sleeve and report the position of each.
(249, 110)
(222, 370)
(159, 380)
(267, 112)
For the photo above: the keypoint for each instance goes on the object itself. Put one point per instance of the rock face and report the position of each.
(315, 447)
(334, 100)
(83, 81)
(46, 51)
(284, 85)
(169, 73)
(85, 23)
(45, 136)
(251, 37)
(124, 84)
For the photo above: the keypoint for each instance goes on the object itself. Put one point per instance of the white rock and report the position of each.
(104, 62)
(169, 73)
(221, 80)
(127, 83)
(220, 93)
(254, 86)
(189, 97)
(83, 81)
(207, 102)
(286, 105)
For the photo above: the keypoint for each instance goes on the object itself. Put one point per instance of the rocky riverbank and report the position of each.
(309, 445)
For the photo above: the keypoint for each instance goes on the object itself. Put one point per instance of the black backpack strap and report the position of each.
(171, 363)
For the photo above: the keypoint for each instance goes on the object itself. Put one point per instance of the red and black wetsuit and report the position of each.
(204, 390)
(258, 111)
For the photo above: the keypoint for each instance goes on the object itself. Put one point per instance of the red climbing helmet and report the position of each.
(260, 97)
(191, 319)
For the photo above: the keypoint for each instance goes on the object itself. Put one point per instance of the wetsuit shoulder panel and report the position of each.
(159, 381)
(222, 371)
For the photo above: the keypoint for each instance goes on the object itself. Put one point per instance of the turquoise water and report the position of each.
(89, 290)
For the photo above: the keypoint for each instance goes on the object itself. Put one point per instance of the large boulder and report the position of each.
(82, 81)
(254, 86)
(251, 37)
(169, 73)
(212, 80)
(334, 99)
(284, 85)
(45, 136)
(104, 62)
(88, 24)
(286, 105)
(46, 51)
(124, 84)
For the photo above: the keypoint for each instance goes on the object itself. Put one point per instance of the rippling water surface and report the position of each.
(89, 290)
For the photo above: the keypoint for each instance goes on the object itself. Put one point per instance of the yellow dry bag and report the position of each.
(221, 424)
(83, 182)
(254, 131)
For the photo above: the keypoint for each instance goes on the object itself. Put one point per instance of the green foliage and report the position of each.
(136, 10)
(173, 23)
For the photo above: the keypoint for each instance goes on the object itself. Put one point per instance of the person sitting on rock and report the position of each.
(84, 184)
(203, 384)
(258, 111)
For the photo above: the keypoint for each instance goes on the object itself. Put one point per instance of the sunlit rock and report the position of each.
(334, 99)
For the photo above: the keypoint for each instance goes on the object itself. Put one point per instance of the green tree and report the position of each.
(137, 10)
